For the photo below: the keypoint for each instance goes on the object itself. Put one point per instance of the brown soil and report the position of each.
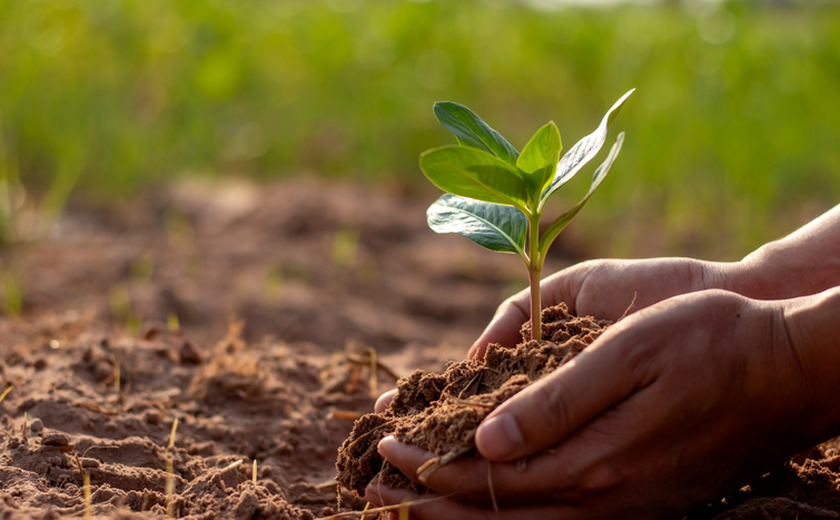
(283, 294)
(440, 412)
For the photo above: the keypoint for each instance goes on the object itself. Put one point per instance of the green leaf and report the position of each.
(471, 130)
(498, 228)
(539, 157)
(475, 174)
(557, 226)
(584, 150)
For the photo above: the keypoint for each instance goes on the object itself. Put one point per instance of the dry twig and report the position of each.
(432, 465)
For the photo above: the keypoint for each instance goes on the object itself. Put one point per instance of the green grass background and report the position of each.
(733, 135)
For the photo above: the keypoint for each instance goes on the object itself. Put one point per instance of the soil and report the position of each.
(253, 316)
(441, 412)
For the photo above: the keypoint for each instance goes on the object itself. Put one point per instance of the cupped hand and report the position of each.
(681, 402)
(605, 289)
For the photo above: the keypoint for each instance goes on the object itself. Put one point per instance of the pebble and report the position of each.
(88, 462)
(36, 425)
(55, 439)
(152, 417)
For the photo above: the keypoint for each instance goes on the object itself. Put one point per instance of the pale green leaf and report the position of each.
(472, 173)
(584, 150)
(498, 228)
(557, 226)
(539, 157)
(471, 130)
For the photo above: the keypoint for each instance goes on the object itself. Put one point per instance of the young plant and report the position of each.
(496, 195)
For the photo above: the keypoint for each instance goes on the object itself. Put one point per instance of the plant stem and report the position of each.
(534, 269)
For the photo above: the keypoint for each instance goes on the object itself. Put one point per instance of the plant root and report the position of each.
(385, 509)
(627, 310)
(466, 402)
(432, 465)
(490, 486)
(362, 436)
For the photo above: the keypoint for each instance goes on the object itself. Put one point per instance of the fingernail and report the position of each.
(387, 440)
(373, 494)
(474, 350)
(498, 437)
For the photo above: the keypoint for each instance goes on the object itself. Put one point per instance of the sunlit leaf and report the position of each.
(584, 150)
(557, 226)
(539, 157)
(498, 228)
(472, 173)
(471, 130)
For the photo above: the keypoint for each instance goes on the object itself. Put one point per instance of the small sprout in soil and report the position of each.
(344, 247)
(170, 489)
(172, 322)
(116, 376)
(88, 513)
(6, 392)
(172, 433)
(254, 473)
(496, 195)
(374, 381)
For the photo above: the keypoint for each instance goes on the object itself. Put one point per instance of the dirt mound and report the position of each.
(441, 412)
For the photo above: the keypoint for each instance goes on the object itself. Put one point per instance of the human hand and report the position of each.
(679, 403)
(605, 289)
(601, 288)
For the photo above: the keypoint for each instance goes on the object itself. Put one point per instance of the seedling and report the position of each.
(88, 508)
(496, 195)
(172, 433)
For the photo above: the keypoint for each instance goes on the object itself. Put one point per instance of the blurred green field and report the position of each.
(732, 135)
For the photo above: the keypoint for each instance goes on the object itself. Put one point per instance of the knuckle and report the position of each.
(458, 477)
(512, 305)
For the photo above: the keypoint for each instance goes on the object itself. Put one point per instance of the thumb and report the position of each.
(504, 327)
(554, 407)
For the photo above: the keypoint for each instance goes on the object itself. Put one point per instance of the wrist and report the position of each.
(776, 271)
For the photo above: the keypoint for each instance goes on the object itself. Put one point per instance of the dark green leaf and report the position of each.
(584, 150)
(539, 158)
(472, 173)
(471, 130)
(498, 228)
(557, 226)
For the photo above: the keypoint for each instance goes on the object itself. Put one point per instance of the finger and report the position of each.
(384, 400)
(433, 506)
(552, 408)
(504, 327)
(545, 478)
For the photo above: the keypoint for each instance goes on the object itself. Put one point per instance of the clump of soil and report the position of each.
(441, 412)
